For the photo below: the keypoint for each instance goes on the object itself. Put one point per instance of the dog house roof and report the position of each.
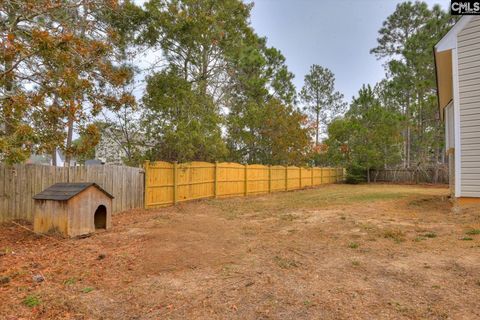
(65, 191)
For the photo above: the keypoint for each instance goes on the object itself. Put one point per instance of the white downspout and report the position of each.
(456, 117)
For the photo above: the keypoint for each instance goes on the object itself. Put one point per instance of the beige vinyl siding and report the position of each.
(468, 44)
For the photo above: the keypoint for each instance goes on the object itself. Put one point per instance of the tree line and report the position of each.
(215, 91)
(396, 124)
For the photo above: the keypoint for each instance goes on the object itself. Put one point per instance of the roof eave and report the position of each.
(449, 41)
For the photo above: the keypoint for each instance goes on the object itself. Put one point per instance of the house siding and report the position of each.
(468, 46)
(109, 151)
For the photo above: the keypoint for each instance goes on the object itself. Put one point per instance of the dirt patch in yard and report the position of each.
(335, 252)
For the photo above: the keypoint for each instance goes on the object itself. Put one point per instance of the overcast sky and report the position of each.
(337, 34)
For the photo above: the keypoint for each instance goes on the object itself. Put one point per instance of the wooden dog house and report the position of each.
(72, 209)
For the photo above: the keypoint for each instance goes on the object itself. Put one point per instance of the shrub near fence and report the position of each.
(169, 183)
(19, 183)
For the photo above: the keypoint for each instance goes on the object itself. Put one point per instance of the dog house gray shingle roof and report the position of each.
(66, 191)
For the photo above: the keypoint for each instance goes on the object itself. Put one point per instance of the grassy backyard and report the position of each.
(334, 252)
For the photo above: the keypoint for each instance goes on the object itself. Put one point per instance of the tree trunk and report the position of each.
(8, 79)
(435, 174)
(185, 69)
(54, 157)
(317, 127)
(409, 143)
(407, 133)
(68, 146)
(368, 175)
(7, 104)
(204, 72)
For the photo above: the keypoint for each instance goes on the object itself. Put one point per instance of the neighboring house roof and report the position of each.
(47, 158)
(443, 63)
(66, 191)
(92, 162)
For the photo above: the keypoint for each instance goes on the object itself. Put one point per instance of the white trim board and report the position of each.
(449, 41)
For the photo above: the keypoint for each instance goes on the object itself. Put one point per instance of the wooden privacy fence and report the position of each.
(18, 183)
(169, 183)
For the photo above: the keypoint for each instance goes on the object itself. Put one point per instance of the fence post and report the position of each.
(175, 164)
(286, 178)
(146, 166)
(215, 187)
(321, 175)
(311, 174)
(246, 179)
(300, 176)
(269, 178)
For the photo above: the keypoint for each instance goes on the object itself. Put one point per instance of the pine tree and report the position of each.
(321, 100)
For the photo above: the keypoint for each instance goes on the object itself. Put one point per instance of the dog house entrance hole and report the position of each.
(100, 217)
